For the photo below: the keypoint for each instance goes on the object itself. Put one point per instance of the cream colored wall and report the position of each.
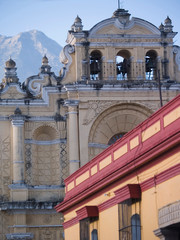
(108, 224)
(152, 200)
(55, 131)
(5, 159)
(5, 173)
(72, 233)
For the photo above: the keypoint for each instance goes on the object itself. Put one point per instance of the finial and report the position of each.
(17, 111)
(119, 4)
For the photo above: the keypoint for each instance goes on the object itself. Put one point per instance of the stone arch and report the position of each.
(45, 133)
(115, 120)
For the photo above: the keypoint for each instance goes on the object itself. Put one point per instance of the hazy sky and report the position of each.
(55, 17)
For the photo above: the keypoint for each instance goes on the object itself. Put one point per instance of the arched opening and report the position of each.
(95, 65)
(117, 136)
(112, 123)
(123, 65)
(94, 234)
(136, 227)
(151, 65)
(45, 133)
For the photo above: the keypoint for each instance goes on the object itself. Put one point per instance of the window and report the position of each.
(116, 137)
(136, 227)
(129, 225)
(151, 65)
(94, 234)
(95, 65)
(84, 229)
(88, 218)
(123, 65)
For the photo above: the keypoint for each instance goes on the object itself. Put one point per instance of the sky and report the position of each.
(55, 17)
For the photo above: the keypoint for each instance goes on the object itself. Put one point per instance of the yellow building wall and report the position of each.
(154, 199)
(72, 233)
(108, 224)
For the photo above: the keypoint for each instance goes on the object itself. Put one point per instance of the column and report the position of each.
(73, 135)
(18, 150)
(19, 191)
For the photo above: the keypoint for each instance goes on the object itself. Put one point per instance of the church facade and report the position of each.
(114, 77)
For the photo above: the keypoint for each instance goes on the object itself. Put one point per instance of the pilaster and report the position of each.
(18, 187)
(73, 135)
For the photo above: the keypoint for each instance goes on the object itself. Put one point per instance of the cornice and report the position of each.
(130, 191)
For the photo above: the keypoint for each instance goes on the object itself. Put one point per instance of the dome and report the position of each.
(10, 63)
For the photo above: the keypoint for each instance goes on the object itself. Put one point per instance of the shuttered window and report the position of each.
(129, 225)
(125, 220)
(84, 229)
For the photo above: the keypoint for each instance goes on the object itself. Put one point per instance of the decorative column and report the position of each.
(73, 135)
(17, 121)
(19, 191)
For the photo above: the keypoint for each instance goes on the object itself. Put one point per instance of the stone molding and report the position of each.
(52, 142)
(176, 50)
(72, 106)
(165, 234)
(71, 103)
(20, 236)
(169, 214)
(18, 122)
(131, 24)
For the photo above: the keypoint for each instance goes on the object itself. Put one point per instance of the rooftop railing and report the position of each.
(134, 75)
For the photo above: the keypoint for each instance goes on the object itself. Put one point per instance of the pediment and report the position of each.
(135, 30)
(113, 26)
(12, 91)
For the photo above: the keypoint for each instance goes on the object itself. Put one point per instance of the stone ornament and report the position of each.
(176, 50)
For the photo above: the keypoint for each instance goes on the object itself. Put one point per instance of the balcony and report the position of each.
(133, 75)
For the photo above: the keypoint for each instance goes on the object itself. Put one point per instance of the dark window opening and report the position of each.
(123, 65)
(116, 137)
(84, 229)
(129, 225)
(136, 227)
(95, 65)
(151, 65)
(94, 234)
